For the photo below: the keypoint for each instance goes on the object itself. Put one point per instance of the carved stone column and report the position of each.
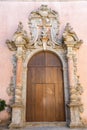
(17, 107)
(18, 44)
(74, 105)
(18, 76)
(72, 44)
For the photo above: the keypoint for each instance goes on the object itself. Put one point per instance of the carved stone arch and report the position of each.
(35, 51)
(44, 37)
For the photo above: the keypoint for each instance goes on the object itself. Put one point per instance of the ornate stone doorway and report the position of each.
(44, 30)
(45, 92)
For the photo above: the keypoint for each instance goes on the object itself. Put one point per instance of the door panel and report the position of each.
(37, 60)
(52, 60)
(38, 74)
(51, 75)
(45, 94)
(39, 102)
(50, 102)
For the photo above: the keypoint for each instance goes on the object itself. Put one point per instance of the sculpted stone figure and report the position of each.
(69, 34)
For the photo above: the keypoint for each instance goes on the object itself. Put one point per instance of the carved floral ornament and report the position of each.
(44, 33)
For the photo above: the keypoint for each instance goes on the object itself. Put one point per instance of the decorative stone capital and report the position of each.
(70, 38)
(20, 39)
(19, 53)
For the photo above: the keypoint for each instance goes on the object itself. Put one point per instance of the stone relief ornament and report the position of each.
(11, 88)
(44, 26)
(72, 43)
(20, 36)
(70, 36)
(78, 88)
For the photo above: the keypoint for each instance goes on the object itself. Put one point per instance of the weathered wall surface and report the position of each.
(13, 12)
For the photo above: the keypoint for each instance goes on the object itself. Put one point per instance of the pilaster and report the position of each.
(17, 108)
(71, 42)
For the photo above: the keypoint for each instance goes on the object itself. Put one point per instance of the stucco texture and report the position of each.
(12, 12)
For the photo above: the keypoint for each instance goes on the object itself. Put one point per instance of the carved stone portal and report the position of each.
(44, 30)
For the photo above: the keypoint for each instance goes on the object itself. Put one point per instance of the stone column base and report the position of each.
(76, 125)
(12, 125)
(75, 120)
(17, 116)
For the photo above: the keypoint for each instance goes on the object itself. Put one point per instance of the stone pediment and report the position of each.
(43, 32)
(43, 28)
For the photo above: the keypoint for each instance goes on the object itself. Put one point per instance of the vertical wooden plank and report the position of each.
(38, 103)
(44, 102)
(29, 95)
(33, 102)
(52, 59)
(61, 92)
(37, 60)
(50, 101)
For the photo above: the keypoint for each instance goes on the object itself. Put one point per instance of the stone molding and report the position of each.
(44, 30)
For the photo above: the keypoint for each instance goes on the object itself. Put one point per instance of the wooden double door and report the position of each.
(45, 94)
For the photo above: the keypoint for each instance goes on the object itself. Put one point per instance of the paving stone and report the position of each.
(45, 128)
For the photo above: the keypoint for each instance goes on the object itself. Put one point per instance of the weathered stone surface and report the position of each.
(44, 29)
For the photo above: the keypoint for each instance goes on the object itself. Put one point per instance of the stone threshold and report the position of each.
(36, 124)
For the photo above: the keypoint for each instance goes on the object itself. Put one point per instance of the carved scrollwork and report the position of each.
(44, 24)
(77, 90)
(11, 45)
(20, 36)
(69, 34)
(70, 37)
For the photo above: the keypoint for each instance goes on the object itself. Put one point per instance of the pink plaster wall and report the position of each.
(13, 12)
